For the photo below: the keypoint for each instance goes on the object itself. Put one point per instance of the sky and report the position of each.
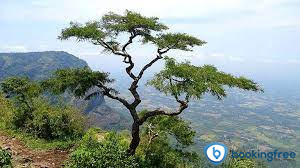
(255, 38)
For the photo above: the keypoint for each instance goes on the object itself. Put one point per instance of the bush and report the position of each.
(102, 150)
(165, 141)
(6, 110)
(5, 159)
(44, 121)
(34, 114)
(55, 122)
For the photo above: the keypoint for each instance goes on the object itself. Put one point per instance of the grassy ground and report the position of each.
(37, 143)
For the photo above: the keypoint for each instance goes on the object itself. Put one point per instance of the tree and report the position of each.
(183, 81)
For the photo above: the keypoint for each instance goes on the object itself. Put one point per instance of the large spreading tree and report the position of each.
(183, 81)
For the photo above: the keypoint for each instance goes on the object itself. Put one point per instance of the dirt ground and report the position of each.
(24, 157)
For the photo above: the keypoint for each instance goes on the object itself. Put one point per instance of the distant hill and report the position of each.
(37, 65)
(40, 65)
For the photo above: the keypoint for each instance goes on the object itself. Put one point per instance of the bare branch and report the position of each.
(106, 91)
(107, 46)
(182, 107)
(133, 35)
(158, 57)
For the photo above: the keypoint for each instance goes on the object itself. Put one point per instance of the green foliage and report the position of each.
(131, 21)
(185, 79)
(89, 31)
(106, 31)
(6, 109)
(78, 81)
(162, 154)
(102, 150)
(174, 126)
(181, 41)
(110, 25)
(55, 122)
(5, 159)
(21, 88)
(35, 115)
(35, 143)
(21, 91)
(164, 143)
(241, 163)
(244, 163)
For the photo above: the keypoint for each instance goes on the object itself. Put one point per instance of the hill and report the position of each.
(40, 65)
(37, 65)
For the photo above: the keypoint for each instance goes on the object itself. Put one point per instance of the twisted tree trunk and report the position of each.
(135, 134)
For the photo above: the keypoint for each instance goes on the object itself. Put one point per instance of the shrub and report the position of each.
(6, 111)
(102, 150)
(5, 159)
(34, 114)
(44, 121)
(55, 122)
(165, 141)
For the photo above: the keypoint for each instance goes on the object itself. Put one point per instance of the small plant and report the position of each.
(5, 159)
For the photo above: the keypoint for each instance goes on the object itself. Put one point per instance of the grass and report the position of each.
(33, 142)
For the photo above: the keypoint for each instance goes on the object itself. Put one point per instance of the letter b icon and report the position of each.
(215, 152)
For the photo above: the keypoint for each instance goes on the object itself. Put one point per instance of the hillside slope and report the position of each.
(37, 65)
(40, 65)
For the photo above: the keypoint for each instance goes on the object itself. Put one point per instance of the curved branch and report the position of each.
(107, 46)
(158, 57)
(127, 57)
(132, 36)
(106, 91)
(182, 107)
(134, 84)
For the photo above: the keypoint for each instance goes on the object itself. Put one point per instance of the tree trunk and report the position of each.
(135, 133)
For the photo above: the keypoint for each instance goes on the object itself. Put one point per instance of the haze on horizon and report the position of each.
(255, 38)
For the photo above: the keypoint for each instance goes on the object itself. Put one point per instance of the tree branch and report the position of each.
(106, 91)
(182, 107)
(107, 46)
(134, 84)
(132, 36)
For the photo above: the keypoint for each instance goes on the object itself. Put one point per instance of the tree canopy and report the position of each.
(178, 79)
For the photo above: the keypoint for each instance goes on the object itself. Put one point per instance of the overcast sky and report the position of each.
(249, 37)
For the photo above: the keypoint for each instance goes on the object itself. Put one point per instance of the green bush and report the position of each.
(5, 159)
(102, 150)
(55, 122)
(32, 113)
(6, 110)
(164, 143)
(45, 120)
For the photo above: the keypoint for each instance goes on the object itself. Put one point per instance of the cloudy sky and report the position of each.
(258, 38)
